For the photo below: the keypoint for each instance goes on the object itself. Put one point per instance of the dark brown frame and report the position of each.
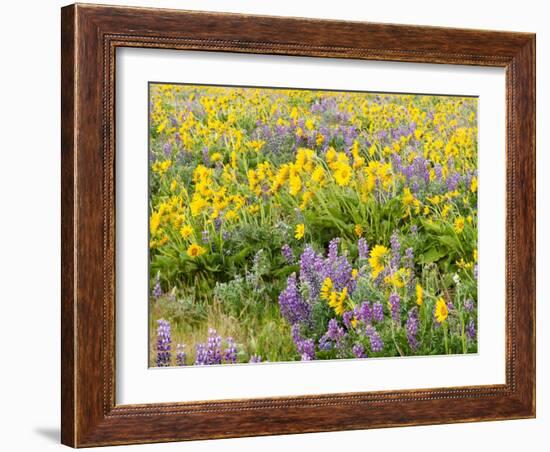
(90, 34)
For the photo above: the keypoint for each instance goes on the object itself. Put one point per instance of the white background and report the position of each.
(29, 190)
(138, 384)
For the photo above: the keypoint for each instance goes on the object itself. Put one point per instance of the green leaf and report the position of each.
(432, 255)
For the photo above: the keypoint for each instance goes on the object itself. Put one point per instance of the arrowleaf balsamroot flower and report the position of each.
(186, 231)
(326, 289)
(419, 295)
(195, 250)
(299, 231)
(441, 310)
(377, 259)
(459, 225)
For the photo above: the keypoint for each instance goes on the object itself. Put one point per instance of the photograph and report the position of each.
(290, 224)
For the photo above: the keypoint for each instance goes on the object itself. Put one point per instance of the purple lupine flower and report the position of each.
(397, 163)
(341, 276)
(167, 149)
(408, 171)
(475, 271)
(325, 343)
(395, 305)
(157, 289)
(287, 253)
(292, 305)
(255, 359)
(205, 236)
(217, 223)
(395, 247)
(333, 250)
(306, 349)
(337, 268)
(209, 353)
(469, 305)
(412, 328)
(295, 333)
(310, 266)
(376, 343)
(471, 329)
(452, 181)
(347, 317)
(164, 343)
(200, 355)
(205, 156)
(438, 169)
(334, 331)
(230, 353)
(414, 229)
(359, 351)
(181, 356)
(378, 312)
(467, 178)
(363, 248)
(364, 313)
(409, 258)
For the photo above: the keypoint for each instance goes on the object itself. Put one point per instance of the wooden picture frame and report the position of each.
(90, 35)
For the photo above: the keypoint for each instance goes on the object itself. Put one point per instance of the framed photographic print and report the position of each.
(280, 225)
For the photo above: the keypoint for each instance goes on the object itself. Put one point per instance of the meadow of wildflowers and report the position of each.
(302, 225)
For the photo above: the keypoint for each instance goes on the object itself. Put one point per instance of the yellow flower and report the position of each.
(186, 231)
(330, 156)
(198, 205)
(299, 231)
(230, 215)
(435, 200)
(253, 209)
(326, 289)
(154, 223)
(398, 278)
(376, 259)
(295, 184)
(342, 175)
(305, 199)
(195, 250)
(216, 157)
(319, 139)
(256, 145)
(358, 230)
(174, 185)
(318, 174)
(337, 301)
(459, 225)
(161, 167)
(473, 184)
(354, 273)
(419, 295)
(475, 255)
(441, 311)
(408, 198)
